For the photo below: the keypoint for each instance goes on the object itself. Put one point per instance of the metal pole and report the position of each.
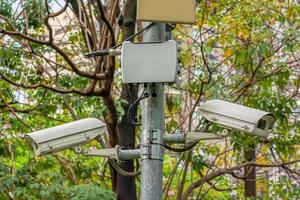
(152, 129)
(174, 138)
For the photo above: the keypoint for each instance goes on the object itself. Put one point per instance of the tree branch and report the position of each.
(219, 172)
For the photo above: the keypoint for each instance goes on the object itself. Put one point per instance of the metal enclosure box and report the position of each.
(149, 62)
(179, 11)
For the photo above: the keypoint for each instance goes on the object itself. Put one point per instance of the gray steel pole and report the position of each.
(152, 129)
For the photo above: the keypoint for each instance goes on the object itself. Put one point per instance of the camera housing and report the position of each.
(234, 116)
(65, 136)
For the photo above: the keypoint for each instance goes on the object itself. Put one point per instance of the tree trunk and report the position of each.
(126, 188)
(250, 173)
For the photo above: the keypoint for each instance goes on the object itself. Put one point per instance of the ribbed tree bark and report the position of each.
(126, 188)
(250, 173)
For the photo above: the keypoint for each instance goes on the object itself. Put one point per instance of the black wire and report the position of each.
(114, 164)
(186, 148)
(143, 96)
(106, 52)
(180, 150)
(134, 35)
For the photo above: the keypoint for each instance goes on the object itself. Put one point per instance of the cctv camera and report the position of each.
(234, 116)
(65, 136)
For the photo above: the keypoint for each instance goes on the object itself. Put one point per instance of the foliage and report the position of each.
(242, 51)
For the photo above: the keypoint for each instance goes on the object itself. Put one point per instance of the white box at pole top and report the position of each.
(149, 62)
(177, 11)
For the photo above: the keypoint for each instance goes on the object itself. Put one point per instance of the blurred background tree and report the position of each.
(241, 51)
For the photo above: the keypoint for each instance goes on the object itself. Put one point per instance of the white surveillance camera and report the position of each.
(234, 116)
(65, 136)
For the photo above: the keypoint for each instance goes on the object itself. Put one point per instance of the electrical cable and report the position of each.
(183, 149)
(111, 51)
(180, 150)
(144, 95)
(134, 35)
(114, 164)
(122, 171)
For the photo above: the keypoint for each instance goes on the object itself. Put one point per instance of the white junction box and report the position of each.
(149, 62)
